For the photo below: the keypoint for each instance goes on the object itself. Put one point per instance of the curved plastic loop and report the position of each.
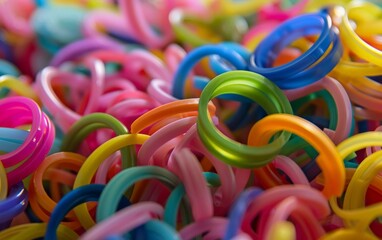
(329, 158)
(341, 99)
(215, 225)
(87, 124)
(81, 47)
(187, 168)
(195, 56)
(283, 211)
(124, 180)
(350, 38)
(252, 86)
(219, 66)
(355, 194)
(63, 115)
(93, 162)
(369, 169)
(183, 107)
(309, 67)
(78, 196)
(19, 87)
(238, 210)
(14, 204)
(41, 203)
(134, 216)
(20, 111)
(134, 13)
(268, 200)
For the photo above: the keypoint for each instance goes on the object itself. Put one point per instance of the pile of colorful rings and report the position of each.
(185, 119)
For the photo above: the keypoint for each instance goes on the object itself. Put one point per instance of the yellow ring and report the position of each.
(92, 163)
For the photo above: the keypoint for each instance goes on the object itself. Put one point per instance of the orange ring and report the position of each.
(329, 158)
(177, 108)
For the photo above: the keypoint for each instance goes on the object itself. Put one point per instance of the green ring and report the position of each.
(92, 122)
(260, 90)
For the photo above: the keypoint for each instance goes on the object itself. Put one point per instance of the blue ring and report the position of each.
(220, 67)
(195, 56)
(318, 71)
(238, 211)
(80, 195)
(283, 35)
(15, 203)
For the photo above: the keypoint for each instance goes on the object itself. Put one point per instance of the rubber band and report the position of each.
(62, 114)
(194, 56)
(238, 209)
(333, 171)
(186, 166)
(82, 128)
(140, 27)
(216, 224)
(121, 182)
(92, 163)
(179, 107)
(267, 201)
(312, 65)
(134, 215)
(36, 145)
(19, 87)
(256, 88)
(14, 204)
(81, 47)
(80, 195)
(43, 203)
(352, 40)
(351, 144)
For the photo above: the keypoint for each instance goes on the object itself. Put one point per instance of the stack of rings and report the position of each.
(312, 65)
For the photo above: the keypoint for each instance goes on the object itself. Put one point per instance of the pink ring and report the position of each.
(12, 107)
(307, 195)
(291, 169)
(19, 111)
(197, 228)
(185, 165)
(233, 181)
(131, 217)
(160, 91)
(134, 14)
(290, 206)
(341, 99)
(162, 136)
(63, 115)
